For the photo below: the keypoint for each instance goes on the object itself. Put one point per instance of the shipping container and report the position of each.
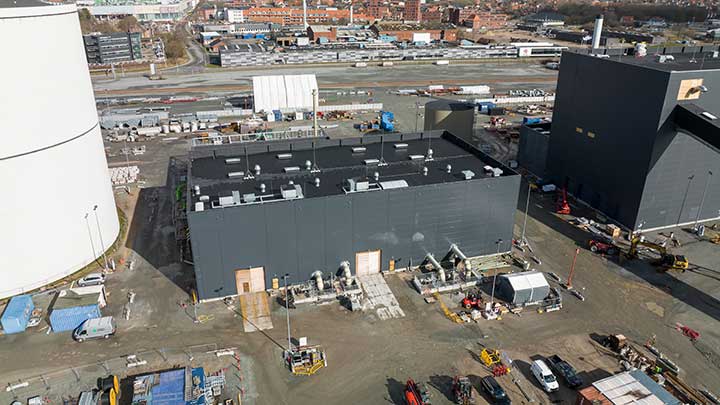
(69, 311)
(17, 313)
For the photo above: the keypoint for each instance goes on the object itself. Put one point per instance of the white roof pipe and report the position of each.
(441, 272)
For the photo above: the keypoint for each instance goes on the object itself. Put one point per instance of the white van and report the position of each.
(544, 376)
(95, 328)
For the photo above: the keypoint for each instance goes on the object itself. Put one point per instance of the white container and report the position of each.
(360, 65)
(442, 62)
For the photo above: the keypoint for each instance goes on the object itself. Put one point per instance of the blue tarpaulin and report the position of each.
(198, 374)
(17, 313)
(170, 388)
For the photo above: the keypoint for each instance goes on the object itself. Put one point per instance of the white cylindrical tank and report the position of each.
(53, 169)
(452, 116)
(597, 32)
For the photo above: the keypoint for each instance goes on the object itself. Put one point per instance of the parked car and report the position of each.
(566, 372)
(91, 279)
(544, 376)
(496, 393)
(95, 328)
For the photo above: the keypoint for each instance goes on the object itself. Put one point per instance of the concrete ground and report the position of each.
(370, 359)
(217, 82)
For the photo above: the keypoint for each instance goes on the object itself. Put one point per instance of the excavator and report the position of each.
(667, 260)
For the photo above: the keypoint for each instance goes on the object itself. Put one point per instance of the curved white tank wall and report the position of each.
(52, 162)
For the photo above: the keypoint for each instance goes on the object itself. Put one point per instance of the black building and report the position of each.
(291, 218)
(638, 137)
(106, 49)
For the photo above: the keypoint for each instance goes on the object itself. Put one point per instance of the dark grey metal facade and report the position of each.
(304, 235)
(617, 144)
(533, 148)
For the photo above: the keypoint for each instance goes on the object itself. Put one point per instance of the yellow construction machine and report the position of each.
(667, 260)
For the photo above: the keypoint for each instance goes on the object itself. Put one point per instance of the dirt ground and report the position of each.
(369, 359)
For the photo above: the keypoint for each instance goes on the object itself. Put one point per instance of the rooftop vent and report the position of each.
(204, 198)
(417, 157)
(232, 175)
(225, 201)
(291, 169)
(401, 146)
(199, 206)
(236, 197)
(708, 115)
(232, 161)
(249, 198)
(371, 161)
(284, 156)
(468, 174)
(389, 185)
(359, 149)
(291, 191)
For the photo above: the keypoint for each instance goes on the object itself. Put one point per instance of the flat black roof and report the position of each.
(218, 177)
(681, 61)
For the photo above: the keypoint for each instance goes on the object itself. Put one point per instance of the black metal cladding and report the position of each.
(617, 143)
(303, 235)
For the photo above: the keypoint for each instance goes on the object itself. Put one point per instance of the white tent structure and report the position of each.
(523, 288)
(283, 92)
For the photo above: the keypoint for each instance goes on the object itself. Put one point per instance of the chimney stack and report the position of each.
(305, 24)
(597, 33)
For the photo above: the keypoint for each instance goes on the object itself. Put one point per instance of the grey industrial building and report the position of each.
(259, 210)
(117, 47)
(637, 137)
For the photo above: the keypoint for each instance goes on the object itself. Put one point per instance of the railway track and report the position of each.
(170, 90)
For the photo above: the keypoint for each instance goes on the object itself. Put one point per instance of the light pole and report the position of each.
(682, 206)
(102, 244)
(702, 200)
(287, 310)
(572, 270)
(492, 294)
(527, 206)
(417, 114)
(92, 244)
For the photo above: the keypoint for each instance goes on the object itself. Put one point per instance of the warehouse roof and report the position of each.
(221, 172)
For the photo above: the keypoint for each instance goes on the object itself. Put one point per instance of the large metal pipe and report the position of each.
(466, 263)
(441, 272)
(597, 33)
(345, 267)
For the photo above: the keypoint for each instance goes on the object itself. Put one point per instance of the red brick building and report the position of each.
(458, 16)
(432, 14)
(294, 16)
(485, 20)
(376, 10)
(412, 11)
(315, 32)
